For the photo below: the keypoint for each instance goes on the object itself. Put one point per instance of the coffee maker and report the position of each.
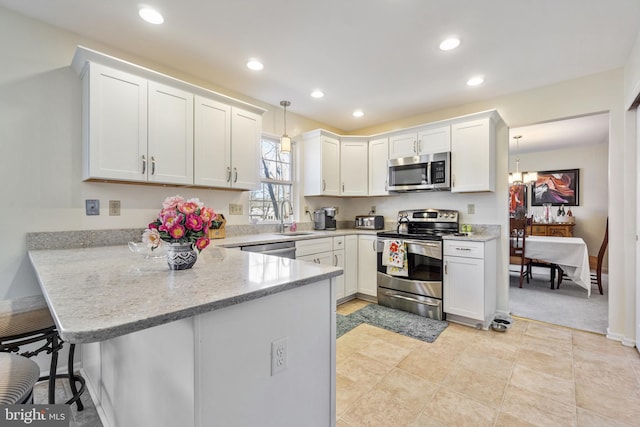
(325, 219)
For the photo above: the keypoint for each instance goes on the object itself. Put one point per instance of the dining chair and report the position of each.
(518, 239)
(597, 277)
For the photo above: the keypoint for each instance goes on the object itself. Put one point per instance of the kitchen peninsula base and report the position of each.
(215, 368)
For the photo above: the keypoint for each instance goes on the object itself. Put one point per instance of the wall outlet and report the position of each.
(235, 209)
(306, 209)
(373, 209)
(114, 207)
(278, 356)
(92, 206)
(471, 208)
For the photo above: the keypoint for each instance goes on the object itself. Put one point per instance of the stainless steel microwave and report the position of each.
(420, 173)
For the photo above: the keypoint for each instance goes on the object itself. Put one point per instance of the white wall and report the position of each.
(593, 162)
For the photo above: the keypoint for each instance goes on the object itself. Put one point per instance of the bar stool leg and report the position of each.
(53, 368)
(72, 380)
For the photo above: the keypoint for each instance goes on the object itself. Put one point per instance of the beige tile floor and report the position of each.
(535, 374)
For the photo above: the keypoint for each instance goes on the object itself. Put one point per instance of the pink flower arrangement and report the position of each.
(182, 221)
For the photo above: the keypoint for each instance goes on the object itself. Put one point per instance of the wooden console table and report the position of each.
(553, 229)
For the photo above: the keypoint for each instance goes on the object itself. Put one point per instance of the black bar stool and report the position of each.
(26, 321)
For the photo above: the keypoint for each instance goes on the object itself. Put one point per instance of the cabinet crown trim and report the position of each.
(84, 55)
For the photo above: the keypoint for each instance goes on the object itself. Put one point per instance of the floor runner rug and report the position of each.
(402, 322)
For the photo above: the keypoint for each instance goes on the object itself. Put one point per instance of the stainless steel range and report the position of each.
(418, 287)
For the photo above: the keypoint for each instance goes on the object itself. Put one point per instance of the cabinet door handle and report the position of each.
(153, 165)
(144, 164)
(235, 175)
(445, 268)
(335, 260)
(343, 187)
(414, 147)
(228, 174)
(386, 185)
(373, 245)
(324, 185)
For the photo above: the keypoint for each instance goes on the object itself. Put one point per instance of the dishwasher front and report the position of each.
(281, 249)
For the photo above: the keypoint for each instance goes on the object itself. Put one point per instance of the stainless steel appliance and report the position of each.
(420, 292)
(324, 219)
(281, 249)
(370, 222)
(420, 173)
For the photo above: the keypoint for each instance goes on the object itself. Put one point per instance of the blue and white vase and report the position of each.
(181, 256)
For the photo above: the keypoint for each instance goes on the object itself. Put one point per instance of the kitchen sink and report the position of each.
(294, 233)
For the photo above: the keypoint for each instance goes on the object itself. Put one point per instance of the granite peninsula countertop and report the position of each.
(99, 293)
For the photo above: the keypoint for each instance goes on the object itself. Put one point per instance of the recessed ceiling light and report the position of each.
(255, 65)
(317, 93)
(150, 15)
(450, 43)
(358, 113)
(475, 81)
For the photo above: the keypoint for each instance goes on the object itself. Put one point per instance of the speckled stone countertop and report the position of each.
(99, 293)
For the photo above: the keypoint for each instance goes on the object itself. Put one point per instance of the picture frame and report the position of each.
(558, 187)
(517, 198)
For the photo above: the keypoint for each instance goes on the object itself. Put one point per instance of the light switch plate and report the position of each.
(235, 209)
(114, 207)
(92, 206)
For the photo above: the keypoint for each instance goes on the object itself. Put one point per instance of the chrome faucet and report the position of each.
(289, 213)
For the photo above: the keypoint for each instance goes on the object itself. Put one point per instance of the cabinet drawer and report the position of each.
(463, 248)
(558, 231)
(313, 246)
(538, 230)
(338, 243)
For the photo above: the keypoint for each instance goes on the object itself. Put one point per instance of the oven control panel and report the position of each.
(428, 215)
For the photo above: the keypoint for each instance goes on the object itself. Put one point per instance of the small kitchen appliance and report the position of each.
(420, 289)
(324, 219)
(370, 222)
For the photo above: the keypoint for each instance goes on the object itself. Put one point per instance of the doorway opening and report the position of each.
(578, 148)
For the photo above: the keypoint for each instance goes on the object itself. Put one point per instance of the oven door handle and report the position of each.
(392, 295)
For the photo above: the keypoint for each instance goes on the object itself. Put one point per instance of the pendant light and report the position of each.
(515, 178)
(285, 141)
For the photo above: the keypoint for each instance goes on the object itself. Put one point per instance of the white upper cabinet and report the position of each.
(143, 126)
(227, 141)
(114, 125)
(473, 153)
(321, 164)
(426, 140)
(212, 143)
(378, 169)
(170, 127)
(434, 140)
(246, 128)
(403, 145)
(354, 167)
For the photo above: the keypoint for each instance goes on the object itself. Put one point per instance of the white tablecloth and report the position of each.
(570, 253)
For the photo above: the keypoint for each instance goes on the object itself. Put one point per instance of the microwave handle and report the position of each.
(429, 173)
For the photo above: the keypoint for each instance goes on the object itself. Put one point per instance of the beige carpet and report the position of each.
(567, 306)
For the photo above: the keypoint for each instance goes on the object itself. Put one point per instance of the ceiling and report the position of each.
(380, 56)
(565, 133)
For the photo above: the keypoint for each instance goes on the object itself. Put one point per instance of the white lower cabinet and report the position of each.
(326, 251)
(367, 268)
(469, 281)
(343, 252)
(351, 265)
